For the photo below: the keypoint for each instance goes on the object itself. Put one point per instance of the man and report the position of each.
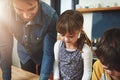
(107, 67)
(32, 23)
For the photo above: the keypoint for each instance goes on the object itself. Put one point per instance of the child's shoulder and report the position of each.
(98, 66)
(58, 43)
(86, 47)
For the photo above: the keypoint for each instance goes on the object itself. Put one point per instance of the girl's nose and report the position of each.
(65, 38)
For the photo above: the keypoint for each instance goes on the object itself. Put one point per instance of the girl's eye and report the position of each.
(71, 36)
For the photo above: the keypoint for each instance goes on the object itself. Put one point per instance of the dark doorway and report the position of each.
(56, 5)
(74, 2)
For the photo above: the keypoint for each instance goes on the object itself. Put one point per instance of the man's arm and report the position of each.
(6, 44)
(48, 54)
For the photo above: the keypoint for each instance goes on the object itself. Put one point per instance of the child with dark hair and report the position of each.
(73, 54)
(107, 67)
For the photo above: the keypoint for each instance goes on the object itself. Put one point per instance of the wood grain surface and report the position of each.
(19, 74)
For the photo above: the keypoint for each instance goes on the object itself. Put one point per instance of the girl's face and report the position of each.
(112, 73)
(70, 38)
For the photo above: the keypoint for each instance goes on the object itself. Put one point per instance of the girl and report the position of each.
(73, 54)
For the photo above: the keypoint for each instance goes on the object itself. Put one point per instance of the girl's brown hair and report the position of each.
(70, 21)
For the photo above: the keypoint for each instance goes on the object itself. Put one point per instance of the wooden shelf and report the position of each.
(88, 10)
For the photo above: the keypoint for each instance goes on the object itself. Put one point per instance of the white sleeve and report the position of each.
(87, 61)
(56, 68)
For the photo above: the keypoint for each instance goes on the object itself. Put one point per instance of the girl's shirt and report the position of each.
(87, 61)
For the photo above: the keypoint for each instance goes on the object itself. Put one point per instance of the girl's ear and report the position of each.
(79, 35)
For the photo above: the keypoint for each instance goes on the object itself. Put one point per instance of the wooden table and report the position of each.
(19, 74)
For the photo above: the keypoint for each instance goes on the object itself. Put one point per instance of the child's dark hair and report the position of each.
(108, 49)
(70, 21)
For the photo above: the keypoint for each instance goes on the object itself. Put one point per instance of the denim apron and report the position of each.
(70, 64)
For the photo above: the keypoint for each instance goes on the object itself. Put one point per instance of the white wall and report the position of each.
(87, 24)
(65, 5)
